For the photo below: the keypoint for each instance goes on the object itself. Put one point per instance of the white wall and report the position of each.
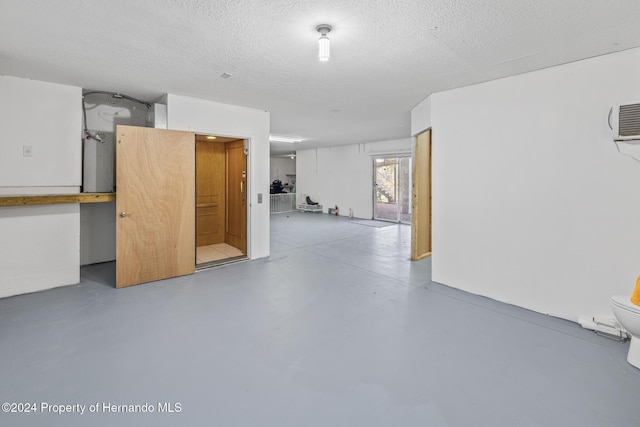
(202, 116)
(46, 117)
(280, 167)
(343, 175)
(532, 204)
(40, 244)
(421, 117)
(97, 232)
(40, 248)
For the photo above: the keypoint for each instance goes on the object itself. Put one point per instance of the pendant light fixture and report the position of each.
(323, 43)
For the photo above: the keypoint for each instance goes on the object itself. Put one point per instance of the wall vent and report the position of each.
(624, 120)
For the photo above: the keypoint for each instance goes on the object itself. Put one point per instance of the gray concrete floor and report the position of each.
(336, 328)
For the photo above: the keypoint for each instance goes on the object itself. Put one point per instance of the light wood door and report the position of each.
(155, 206)
(421, 200)
(210, 188)
(236, 203)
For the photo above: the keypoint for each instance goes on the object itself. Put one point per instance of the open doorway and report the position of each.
(221, 200)
(392, 189)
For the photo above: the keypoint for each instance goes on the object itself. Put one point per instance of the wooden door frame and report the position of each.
(249, 193)
(421, 223)
(230, 237)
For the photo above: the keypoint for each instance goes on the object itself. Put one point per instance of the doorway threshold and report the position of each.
(220, 262)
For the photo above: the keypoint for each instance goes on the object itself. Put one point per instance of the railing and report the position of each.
(285, 202)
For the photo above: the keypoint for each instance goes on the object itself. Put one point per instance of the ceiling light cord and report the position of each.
(115, 95)
(625, 154)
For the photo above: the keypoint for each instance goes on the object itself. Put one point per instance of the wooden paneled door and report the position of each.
(421, 216)
(236, 196)
(155, 204)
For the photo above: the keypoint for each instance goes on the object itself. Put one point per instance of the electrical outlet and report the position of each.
(27, 151)
(259, 197)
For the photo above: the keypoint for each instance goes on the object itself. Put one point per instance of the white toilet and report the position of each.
(628, 315)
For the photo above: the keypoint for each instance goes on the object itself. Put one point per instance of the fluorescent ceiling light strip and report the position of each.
(283, 139)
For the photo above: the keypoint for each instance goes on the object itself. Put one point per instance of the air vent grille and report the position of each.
(629, 120)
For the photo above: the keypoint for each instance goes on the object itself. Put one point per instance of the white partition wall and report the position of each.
(40, 153)
(282, 168)
(47, 118)
(343, 175)
(532, 203)
(40, 248)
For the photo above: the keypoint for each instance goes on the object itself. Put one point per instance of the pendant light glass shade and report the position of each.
(323, 48)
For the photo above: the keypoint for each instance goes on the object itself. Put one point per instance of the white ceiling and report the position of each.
(386, 55)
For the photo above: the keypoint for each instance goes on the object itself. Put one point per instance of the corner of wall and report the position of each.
(421, 116)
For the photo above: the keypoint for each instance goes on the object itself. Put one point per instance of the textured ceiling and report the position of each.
(386, 55)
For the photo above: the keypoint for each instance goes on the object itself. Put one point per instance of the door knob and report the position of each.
(123, 214)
